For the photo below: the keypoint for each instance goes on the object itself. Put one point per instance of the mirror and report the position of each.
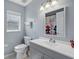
(55, 22)
(13, 21)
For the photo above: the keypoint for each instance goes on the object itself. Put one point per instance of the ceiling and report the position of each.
(22, 2)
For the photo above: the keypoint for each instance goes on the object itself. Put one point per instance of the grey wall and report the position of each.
(33, 11)
(13, 38)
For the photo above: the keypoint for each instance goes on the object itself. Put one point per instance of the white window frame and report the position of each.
(9, 12)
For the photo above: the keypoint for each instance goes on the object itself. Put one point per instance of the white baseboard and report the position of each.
(9, 55)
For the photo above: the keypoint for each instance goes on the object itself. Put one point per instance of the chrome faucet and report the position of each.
(52, 40)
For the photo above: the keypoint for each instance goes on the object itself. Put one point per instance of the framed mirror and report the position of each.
(55, 22)
(13, 21)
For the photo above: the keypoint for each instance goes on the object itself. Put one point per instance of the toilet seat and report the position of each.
(21, 46)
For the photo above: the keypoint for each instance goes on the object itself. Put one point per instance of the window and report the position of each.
(13, 21)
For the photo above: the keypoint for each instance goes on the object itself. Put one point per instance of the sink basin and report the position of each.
(47, 43)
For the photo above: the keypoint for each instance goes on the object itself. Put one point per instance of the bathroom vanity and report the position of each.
(43, 49)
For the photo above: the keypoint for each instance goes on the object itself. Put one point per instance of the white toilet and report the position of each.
(21, 49)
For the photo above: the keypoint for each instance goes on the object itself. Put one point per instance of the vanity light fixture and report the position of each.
(48, 4)
(42, 8)
(54, 2)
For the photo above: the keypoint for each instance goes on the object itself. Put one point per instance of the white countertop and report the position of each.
(59, 46)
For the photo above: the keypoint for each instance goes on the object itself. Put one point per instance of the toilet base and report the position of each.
(20, 56)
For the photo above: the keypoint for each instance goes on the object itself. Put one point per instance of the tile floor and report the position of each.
(11, 57)
(14, 57)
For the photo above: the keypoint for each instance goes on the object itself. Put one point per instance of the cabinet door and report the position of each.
(34, 54)
(48, 57)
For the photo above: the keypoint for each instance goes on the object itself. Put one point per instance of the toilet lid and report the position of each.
(20, 46)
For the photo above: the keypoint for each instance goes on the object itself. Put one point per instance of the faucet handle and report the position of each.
(54, 41)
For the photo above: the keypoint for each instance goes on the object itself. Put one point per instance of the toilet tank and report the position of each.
(27, 40)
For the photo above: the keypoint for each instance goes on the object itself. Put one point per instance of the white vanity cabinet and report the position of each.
(37, 52)
(34, 54)
(41, 51)
(47, 57)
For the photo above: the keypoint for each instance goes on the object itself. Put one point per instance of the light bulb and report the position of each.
(47, 5)
(54, 2)
(42, 8)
